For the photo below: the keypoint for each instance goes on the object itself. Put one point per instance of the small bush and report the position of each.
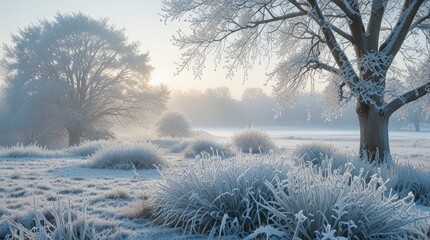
(313, 152)
(253, 140)
(201, 146)
(311, 204)
(58, 223)
(174, 124)
(127, 156)
(171, 145)
(28, 151)
(408, 178)
(216, 197)
(86, 148)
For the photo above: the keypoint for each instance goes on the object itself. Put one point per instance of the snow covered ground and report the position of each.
(113, 197)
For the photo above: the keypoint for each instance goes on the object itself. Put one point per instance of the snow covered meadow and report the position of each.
(197, 198)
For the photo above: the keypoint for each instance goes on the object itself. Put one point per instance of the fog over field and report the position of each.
(179, 119)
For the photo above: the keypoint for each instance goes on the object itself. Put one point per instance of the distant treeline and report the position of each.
(217, 108)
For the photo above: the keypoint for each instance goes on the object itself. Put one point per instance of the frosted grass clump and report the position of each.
(313, 152)
(409, 178)
(313, 204)
(253, 140)
(171, 145)
(128, 155)
(27, 151)
(217, 197)
(206, 146)
(59, 223)
(86, 148)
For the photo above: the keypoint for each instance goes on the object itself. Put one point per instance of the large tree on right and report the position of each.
(363, 49)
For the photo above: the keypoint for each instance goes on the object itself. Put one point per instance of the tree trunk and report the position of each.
(374, 141)
(74, 137)
(417, 125)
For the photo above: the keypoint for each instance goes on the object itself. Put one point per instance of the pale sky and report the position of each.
(143, 23)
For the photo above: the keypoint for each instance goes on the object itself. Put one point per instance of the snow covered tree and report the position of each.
(352, 44)
(78, 74)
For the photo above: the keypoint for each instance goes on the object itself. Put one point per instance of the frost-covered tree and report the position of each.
(356, 45)
(174, 124)
(78, 74)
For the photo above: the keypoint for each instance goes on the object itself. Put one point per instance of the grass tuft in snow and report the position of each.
(86, 148)
(127, 156)
(313, 152)
(171, 145)
(253, 140)
(409, 178)
(313, 204)
(59, 223)
(27, 151)
(203, 146)
(217, 197)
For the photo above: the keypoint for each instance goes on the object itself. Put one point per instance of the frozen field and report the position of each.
(113, 197)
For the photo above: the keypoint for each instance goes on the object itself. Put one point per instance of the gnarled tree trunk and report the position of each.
(74, 136)
(374, 141)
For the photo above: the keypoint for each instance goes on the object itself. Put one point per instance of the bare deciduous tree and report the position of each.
(78, 74)
(353, 44)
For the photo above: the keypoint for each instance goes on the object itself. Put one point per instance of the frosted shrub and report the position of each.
(174, 124)
(171, 145)
(216, 197)
(311, 204)
(313, 152)
(203, 146)
(59, 223)
(253, 140)
(86, 148)
(408, 178)
(28, 151)
(128, 155)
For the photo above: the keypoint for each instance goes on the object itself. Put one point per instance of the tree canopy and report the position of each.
(354, 45)
(76, 74)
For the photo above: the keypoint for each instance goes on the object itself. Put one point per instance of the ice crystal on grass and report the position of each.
(338, 205)
(87, 148)
(253, 140)
(217, 197)
(313, 152)
(128, 156)
(203, 146)
(27, 151)
(59, 223)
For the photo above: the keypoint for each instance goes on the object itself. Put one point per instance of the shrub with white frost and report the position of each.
(313, 152)
(128, 155)
(174, 124)
(311, 204)
(27, 151)
(253, 140)
(86, 148)
(217, 197)
(171, 145)
(58, 223)
(206, 146)
(409, 178)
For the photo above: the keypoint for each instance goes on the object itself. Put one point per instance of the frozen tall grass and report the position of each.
(254, 198)
(205, 145)
(128, 155)
(311, 204)
(59, 223)
(313, 152)
(27, 151)
(253, 140)
(217, 197)
(87, 148)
